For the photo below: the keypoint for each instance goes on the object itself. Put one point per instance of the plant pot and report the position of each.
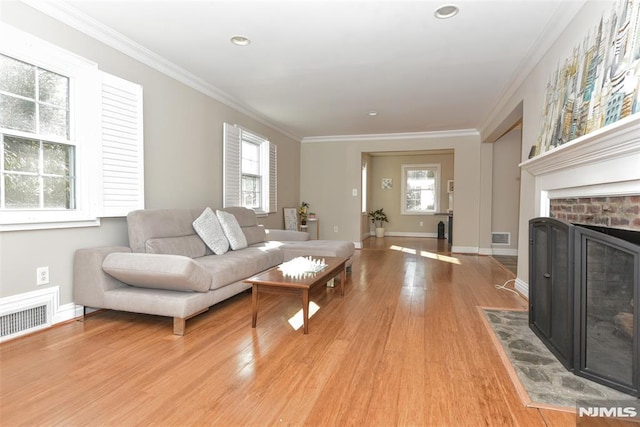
(379, 231)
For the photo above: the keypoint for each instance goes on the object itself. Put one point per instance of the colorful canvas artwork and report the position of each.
(599, 84)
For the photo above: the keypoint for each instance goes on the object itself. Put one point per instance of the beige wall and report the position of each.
(391, 199)
(506, 189)
(183, 159)
(331, 171)
(528, 98)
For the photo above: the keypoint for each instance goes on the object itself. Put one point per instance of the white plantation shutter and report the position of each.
(122, 146)
(231, 161)
(273, 178)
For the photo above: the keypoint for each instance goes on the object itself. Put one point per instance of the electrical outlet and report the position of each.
(335, 228)
(354, 192)
(42, 275)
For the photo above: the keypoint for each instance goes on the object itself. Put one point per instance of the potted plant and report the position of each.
(378, 218)
(304, 212)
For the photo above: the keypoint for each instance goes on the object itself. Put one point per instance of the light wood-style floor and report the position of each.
(405, 346)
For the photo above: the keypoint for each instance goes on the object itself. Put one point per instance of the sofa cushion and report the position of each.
(239, 265)
(248, 221)
(208, 228)
(190, 246)
(245, 217)
(332, 248)
(145, 224)
(232, 230)
(254, 234)
(172, 272)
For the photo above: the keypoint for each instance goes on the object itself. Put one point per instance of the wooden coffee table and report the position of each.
(273, 281)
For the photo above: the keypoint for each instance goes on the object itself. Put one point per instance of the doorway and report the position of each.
(505, 204)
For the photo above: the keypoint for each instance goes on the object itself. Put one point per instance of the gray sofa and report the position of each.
(168, 270)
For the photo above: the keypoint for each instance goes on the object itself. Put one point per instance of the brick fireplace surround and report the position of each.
(614, 212)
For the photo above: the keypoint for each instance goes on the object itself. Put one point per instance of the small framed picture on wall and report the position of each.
(387, 183)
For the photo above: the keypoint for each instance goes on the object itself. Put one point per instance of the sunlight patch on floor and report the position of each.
(297, 320)
(425, 254)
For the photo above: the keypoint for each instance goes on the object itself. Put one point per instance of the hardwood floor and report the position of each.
(508, 262)
(404, 346)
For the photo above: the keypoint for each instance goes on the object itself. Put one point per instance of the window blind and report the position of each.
(232, 171)
(273, 178)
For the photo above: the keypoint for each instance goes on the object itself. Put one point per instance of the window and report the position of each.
(38, 167)
(250, 173)
(58, 138)
(251, 193)
(420, 189)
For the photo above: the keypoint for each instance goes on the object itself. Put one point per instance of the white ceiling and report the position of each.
(315, 68)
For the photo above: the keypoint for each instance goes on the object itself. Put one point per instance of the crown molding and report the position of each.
(63, 12)
(391, 136)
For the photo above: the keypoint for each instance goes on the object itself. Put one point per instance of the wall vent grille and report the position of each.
(501, 238)
(28, 312)
(23, 321)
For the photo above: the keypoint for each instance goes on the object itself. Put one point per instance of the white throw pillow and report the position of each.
(208, 228)
(232, 230)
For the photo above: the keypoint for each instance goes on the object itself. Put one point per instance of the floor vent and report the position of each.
(501, 238)
(27, 312)
(23, 321)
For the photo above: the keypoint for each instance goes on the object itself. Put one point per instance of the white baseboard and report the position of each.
(505, 252)
(465, 249)
(485, 251)
(522, 287)
(406, 234)
(67, 312)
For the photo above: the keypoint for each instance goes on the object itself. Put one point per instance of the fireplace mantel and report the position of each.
(605, 162)
(621, 139)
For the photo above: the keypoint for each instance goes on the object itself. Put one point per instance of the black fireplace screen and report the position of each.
(607, 272)
(608, 285)
(590, 318)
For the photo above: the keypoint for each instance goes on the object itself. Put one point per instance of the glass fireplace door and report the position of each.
(608, 274)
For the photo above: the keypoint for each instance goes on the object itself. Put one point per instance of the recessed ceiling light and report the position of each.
(447, 11)
(240, 40)
(372, 113)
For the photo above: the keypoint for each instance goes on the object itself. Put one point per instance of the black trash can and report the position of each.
(441, 230)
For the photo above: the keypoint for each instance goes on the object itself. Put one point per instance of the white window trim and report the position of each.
(403, 192)
(85, 128)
